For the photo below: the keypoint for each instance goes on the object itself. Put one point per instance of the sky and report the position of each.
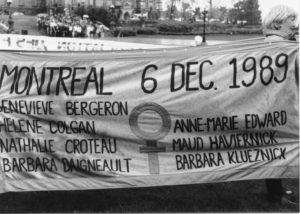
(264, 5)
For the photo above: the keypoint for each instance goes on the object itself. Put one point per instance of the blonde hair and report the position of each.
(278, 14)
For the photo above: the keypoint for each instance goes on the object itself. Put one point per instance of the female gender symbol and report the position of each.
(151, 137)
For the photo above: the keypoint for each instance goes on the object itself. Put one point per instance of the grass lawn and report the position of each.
(238, 196)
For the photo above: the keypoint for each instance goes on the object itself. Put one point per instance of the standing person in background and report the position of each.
(3, 27)
(280, 24)
(89, 29)
(100, 29)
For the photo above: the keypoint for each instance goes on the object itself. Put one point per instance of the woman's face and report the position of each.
(289, 25)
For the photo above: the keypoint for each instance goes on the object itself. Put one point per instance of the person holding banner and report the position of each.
(280, 24)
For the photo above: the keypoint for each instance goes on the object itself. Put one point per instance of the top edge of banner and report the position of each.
(50, 45)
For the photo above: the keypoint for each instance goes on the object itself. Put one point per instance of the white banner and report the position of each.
(148, 118)
(44, 43)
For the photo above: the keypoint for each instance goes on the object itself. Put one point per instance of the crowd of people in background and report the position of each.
(60, 25)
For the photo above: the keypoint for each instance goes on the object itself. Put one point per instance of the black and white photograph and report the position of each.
(149, 106)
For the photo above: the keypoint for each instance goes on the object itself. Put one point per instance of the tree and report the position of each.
(197, 13)
(138, 6)
(220, 13)
(99, 14)
(237, 13)
(43, 3)
(252, 13)
(186, 14)
(223, 13)
(172, 9)
(246, 10)
(42, 7)
(210, 15)
(233, 15)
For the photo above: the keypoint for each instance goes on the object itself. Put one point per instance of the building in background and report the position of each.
(138, 5)
(23, 3)
(127, 6)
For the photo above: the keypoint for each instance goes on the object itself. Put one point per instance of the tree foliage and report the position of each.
(96, 14)
(252, 12)
(172, 10)
(186, 14)
(246, 10)
(220, 13)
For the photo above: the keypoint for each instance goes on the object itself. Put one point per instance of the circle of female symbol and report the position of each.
(161, 132)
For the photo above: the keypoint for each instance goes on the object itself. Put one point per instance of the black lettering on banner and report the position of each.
(8, 73)
(29, 164)
(96, 165)
(208, 124)
(250, 68)
(32, 107)
(198, 160)
(97, 108)
(35, 44)
(242, 140)
(72, 127)
(256, 155)
(9, 125)
(211, 84)
(265, 72)
(102, 92)
(39, 86)
(52, 70)
(211, 124)
(149, 79)
(222, 123)
(92, 78)
(25, 79)
(189, 125)
(271, 119)
(186, 75)
(182, 82)
(72, 46)
(8, 40)
(20, 42)
(264, 68)
(189, 73)
(61, 45)
(74, 81)
(234, 79)
(91, 146)
(19, 81)
(188, 144)
(62, 77)
(17, 145)
(281, 64)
